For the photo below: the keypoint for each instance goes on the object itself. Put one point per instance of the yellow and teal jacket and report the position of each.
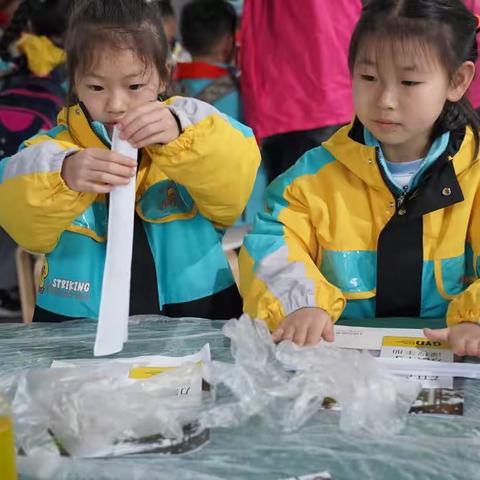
(216, 84)
(338, 234)
(187, 191)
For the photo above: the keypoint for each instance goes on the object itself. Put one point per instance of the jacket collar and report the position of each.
(436, 150)
(438, 186)
(351, 149)
(85, 132)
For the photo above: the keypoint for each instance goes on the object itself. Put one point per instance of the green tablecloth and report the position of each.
(429, 448)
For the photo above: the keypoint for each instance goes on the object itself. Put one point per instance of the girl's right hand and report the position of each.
(97, 170)
(306, 326)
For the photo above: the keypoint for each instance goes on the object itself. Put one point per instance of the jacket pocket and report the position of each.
(450, 276)
(354, 272)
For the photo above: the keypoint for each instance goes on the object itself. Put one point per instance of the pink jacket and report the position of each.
(294, 64)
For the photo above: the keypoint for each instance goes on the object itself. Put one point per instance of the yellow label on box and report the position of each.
(139, 373)
(413, 342)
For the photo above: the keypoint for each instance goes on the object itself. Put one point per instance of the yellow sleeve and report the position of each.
(215, 158)
(278, 261)
(37, 206)
(465, 307)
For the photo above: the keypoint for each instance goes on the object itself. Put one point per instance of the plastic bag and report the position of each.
(286, 384)
(99, 411)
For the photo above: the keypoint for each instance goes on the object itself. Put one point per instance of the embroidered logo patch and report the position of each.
(164, 199)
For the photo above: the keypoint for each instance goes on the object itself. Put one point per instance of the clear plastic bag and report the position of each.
(99, 411)
(286, 384)
(371, 399)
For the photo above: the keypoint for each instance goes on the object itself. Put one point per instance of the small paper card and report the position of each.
(418, 348)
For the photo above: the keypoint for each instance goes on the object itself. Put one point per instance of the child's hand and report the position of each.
(464, 338)
(306, 326)
(149, 124)
(97, 170)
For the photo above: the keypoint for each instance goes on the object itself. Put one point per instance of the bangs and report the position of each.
(407, 42)
(91, 41)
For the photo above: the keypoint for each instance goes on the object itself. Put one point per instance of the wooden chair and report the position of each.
(232, 241)
(29, 267)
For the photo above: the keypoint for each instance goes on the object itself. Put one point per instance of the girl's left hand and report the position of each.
(148, 124)
(464, 338)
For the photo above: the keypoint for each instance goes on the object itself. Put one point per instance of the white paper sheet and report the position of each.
(112, 328)
(184, 388)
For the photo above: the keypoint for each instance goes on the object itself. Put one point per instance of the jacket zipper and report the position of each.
(400, 200)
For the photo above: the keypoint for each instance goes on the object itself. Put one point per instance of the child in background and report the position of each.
(208, 34)
(208, 30)
(383, 219)
(32, 77)
(58, 183)
(169, 19)
(32, 44)
(169, 22)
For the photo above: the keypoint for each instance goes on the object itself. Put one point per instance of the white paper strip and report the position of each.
(112, 328)
(403, 366)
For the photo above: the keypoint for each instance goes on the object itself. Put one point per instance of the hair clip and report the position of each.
(478, 23)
